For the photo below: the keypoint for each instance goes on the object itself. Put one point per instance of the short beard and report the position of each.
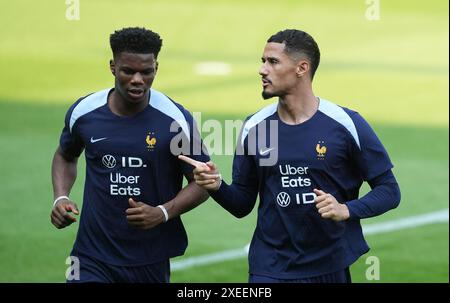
(267, 95)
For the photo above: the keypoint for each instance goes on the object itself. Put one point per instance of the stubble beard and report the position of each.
(267, 95)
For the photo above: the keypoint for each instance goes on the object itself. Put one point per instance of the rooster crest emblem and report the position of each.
(151, 141)
(321, 150)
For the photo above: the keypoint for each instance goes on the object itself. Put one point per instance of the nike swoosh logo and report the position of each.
(96, 140)
(265, 152)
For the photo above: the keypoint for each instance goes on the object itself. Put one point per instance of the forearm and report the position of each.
(237, 199)
(64, 173)
(385, 195)
(188, 198)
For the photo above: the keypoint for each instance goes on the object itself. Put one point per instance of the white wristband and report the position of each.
(60, 198)
(166, 215)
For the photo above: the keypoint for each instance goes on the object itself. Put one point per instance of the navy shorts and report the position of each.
(94, 271)
(342, 276)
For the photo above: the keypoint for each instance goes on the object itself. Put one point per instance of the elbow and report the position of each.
(397, 196)
(65, 156)
(240, 213)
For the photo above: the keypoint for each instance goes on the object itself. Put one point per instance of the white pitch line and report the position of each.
(211, 258)
(409, 222)
(372, 229)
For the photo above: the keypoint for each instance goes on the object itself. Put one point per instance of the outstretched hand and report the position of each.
(206, 174)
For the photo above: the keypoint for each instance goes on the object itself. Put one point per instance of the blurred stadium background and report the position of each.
(394, 71)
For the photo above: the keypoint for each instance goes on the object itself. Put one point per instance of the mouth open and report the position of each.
(136, 93)
(265, 82)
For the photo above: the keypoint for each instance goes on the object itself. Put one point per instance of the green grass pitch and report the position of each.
(394, 71)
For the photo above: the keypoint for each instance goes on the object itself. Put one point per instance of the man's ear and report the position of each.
(112, 67)
(302, 68)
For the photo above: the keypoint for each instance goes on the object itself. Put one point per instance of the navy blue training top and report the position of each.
(334, 151)
(130, 157)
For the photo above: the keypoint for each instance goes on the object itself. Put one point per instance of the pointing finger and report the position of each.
(191, 161)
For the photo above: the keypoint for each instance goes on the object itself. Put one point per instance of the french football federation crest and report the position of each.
(151, 141)
(321, 150)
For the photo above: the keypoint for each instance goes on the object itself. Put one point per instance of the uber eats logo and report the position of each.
(296, 178)
(123, 185)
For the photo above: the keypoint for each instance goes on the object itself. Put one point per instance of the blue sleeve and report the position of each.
(239, 198)
(370, 157)
(70, 141)
(196, 150)
(236, 198)
(384, 196)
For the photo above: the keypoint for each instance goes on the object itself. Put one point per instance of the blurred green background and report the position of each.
(394, 71)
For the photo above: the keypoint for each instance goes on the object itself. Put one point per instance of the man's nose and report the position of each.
(263, 70)
(137, 78)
